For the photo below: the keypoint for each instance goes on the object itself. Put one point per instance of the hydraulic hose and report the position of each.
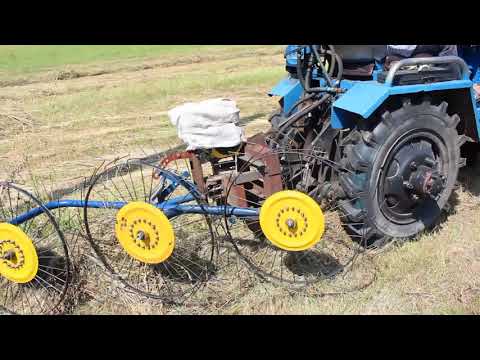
(298, 115)
(300, 69)
(320, 63)
(308, 97)
(305, 81)
(339, 60)
(331, 52)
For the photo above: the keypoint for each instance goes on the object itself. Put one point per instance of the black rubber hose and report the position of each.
(289, 122)
(322, 67)
(308, 97)
(336, 61)
(305, 81)
(339, 63)
(300, 70)
(331, 52)
(297, 116)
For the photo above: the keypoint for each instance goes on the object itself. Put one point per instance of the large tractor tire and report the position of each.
(403, 171)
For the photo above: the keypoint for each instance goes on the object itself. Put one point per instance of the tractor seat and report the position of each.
(361, 53)
(359, 60)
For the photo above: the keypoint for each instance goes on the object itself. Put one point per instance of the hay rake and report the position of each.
(164, 229)
(384, 147)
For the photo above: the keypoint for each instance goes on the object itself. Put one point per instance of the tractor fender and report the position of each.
(362, 99)
(289, 90)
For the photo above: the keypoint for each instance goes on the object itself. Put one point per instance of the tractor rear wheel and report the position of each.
(402, 171)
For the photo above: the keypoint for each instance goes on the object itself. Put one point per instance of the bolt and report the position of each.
(408, 185)
(291, 223)
(9, 255)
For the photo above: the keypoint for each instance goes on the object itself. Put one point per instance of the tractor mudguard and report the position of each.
(290, 90)
(362, 99)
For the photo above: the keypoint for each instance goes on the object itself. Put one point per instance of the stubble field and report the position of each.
(64, 110)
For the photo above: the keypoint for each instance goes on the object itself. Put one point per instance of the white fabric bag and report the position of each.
(208, 124)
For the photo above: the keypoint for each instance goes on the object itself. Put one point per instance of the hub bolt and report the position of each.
(9, 255)
(408, 185)
(291, 223)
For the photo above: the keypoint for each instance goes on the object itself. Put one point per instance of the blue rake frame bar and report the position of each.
(171, 208)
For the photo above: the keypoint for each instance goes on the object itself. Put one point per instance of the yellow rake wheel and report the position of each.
(145, 232)
(292, 221)
(18, 257)
(285, 244)
(35, 266)
(166, 258)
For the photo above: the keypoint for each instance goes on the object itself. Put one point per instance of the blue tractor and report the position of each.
(400, 135)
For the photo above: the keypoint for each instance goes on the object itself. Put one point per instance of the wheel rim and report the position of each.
(178, 272)
(413, 177)
(318, 261)
(46, 256)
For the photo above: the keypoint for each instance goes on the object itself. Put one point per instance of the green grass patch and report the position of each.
(17, 59)
(157, 95)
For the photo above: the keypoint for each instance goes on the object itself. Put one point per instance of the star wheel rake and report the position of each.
(134, 221)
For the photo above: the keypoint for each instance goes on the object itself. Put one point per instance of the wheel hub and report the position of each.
(413, 176)
(145, 232)
(18, 257)
(292, 220)
(425, 182)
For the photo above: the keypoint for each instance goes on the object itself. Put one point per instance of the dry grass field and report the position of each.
(65, 109)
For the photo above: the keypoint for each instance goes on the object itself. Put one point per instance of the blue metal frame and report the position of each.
(171, 208)
(363, 98)
(290, 90)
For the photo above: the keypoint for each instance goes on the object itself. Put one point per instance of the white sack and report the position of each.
(208, 124)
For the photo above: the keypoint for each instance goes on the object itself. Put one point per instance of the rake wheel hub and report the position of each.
(145, 233)
(18, 256)
(292, 220)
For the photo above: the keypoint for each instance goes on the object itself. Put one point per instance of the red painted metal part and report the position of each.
(195, 166)
(176, 156)
(257, 148)
(260, 183)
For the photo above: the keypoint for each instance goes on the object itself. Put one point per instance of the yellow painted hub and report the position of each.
(144, 232)
(292, 220)
(18, 257)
